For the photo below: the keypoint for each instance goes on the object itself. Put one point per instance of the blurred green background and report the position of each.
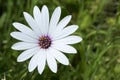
(98, 56)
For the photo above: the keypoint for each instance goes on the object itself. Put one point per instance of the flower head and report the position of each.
(45, 40)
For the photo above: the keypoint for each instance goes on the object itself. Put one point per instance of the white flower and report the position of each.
(45, 40)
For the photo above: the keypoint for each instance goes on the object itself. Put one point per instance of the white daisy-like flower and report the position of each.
(45, 40)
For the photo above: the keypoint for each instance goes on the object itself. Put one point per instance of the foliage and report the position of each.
(98, 56)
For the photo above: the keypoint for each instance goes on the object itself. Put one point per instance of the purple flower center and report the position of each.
(45, 42)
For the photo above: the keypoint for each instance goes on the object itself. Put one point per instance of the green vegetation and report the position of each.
(98, 56)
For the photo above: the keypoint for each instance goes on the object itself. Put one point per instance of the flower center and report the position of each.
(44, 42)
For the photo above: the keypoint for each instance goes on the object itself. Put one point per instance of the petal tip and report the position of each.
(12, 47)
(14, 23)
(44, 6)
(54, 71)
(25, 13)
(40, 72)
(18, 60)
(80, 39)
(29, 69)
(35, 8)
(11, 34)
(59, 8)
(75, 51)
(70, 16)
(67, 63)
(76, 26)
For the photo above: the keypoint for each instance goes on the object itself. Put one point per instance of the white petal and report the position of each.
(45, 19)
(32, 23)
(38, 19)
(37, 14)
(69, 40)
(27, 54)
(23, 37)
(51, 62)
(64, 48)
(41, 61)
(62, 24)
(33, 62)
(24, 29)
(59, 56)
(67, 31)
(54, 19)
(24, 45)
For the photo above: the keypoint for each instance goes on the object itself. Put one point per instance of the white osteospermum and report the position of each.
(45, 40)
